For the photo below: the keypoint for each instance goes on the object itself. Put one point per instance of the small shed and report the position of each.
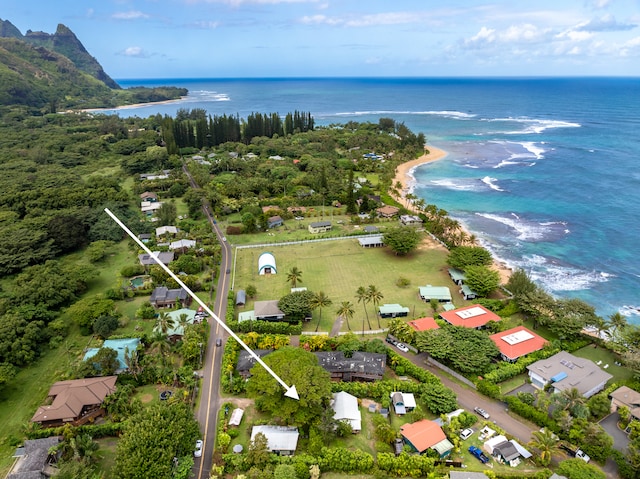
(241, 297)
(267, 264)
(439, 293)
(236, 417)
(375, 241)
(467, 293)
(457, 276)
(275, 221)
(393, 311)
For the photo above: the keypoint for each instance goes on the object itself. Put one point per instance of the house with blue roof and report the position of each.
(123, 347)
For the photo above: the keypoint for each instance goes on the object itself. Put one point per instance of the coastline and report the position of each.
(135, 105)
(404, 176)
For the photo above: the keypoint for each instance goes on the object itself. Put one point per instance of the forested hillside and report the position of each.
(55, 72)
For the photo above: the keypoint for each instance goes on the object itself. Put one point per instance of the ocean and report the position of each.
(545, 172)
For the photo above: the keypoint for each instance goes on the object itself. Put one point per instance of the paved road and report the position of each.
(209, 393)
(469, 398)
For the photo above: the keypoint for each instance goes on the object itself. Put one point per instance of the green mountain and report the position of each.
(52, 72)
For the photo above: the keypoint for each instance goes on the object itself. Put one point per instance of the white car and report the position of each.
(402, 347)
(466, 434)
(198, 451)
(482, 412)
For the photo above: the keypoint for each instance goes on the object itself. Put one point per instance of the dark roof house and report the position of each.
(163, 297)
(246, 361)
(34, 460)
(360, 367)
(267, 310)
(165, 257)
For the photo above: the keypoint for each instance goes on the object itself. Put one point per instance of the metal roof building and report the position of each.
(267, 264)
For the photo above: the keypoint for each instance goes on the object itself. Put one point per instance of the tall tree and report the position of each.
(363, 297)
(346, 311)
(296, 367)
(375, 296)
(165, 322)
(546, 442)
(402, 240)
(319, 301)
(294, 276)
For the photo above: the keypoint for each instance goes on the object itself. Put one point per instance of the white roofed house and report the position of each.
(281, 440)
(346, 409)
(182, 245)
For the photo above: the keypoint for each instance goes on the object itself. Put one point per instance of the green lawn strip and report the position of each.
(107, 455)
(338, 268)
(595, 354)
(513, 383)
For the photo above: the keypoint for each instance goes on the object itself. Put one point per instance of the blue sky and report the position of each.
(308, 38)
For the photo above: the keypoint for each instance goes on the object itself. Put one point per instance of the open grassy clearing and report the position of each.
(297, 230)
(338, 268)
(604, 356)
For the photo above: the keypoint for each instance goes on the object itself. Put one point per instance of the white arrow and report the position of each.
(290, 391)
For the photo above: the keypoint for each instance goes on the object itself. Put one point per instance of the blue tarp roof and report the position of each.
(559, 377)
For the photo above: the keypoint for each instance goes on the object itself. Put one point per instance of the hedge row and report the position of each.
(395, 362)
(526, 411)
(94, 430)
(506, 370)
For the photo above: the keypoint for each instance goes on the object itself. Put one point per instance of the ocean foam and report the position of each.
(528, 230)
(491, 183)
(446, 113)
(455, 185)
(535, 126)
(207, 95)
(555, 278)
(628, 310)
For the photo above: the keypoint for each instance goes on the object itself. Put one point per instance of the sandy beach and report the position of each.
(134, 105)
(404, 176)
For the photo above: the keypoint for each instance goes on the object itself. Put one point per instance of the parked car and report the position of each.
(574, 451)
(466, 433)
(482, 412)
(402, 347)
(198, 451)
(390, 340)
(477, 453)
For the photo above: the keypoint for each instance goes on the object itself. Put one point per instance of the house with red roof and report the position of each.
(474, 316)
(424, 324)
(425, 434)
(517, 342)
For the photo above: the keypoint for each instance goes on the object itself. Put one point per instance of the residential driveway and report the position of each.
(610, 425)
(525, 388)
(469, 398)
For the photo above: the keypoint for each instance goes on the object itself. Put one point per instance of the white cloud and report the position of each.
(599, 4)
(372, 20)
(481, 39)
(206, 25)
(606, 23)
(525, 33)
(237, 3)
(136, 52)
(130, 15)
(630, 48)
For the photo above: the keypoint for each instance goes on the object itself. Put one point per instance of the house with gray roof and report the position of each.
(268, 310)
(374, 241)
(34, 460)
(281, 440)
(165, 257)
(440, 293)
(319, 227)
(246, 361)
(565, 371)
(359, 367)
(163, 297)
(393, 311)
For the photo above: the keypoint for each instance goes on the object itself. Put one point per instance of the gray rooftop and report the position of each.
(574, 372)
(364, 363)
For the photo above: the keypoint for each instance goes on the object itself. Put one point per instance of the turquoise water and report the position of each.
(544, 171)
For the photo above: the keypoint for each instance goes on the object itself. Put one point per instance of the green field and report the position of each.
(339, 268)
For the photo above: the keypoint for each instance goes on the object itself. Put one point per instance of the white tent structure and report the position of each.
(267, 264)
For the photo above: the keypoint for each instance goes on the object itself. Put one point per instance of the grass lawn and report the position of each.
(297, 230)
(513, 383)
(107, 455)
(338, 268)
(606, 357)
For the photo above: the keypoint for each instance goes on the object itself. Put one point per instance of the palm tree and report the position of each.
(165, 322)
(571, 400)
(346, 311)
(618, 322)
(160, 346)
(183, 322)
(546, 442)
(375, 296)
(294, 276)
(363, 297)
(319, 300)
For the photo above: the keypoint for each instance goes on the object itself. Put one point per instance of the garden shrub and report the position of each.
(531, 413)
